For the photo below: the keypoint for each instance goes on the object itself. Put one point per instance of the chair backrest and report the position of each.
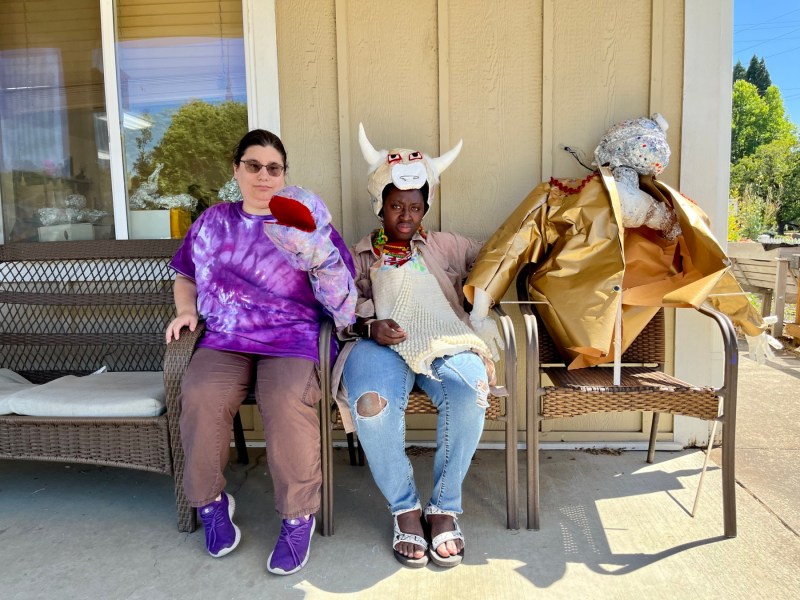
(647, 348)
(73, 307)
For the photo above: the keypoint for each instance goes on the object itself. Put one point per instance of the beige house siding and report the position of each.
(516, 80)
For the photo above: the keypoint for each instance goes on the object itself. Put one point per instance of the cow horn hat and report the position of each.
(406, 169)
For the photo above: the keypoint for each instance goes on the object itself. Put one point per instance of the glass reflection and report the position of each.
(54, 175)
(182, 93)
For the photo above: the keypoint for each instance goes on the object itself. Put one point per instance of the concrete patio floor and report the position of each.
(612, 526)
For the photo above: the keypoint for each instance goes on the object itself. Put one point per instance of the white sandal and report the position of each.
(412, 538)
(455, 534)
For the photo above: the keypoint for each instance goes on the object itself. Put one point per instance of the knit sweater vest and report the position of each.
(410, 294)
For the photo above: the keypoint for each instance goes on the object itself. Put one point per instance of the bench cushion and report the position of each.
(120, 394)
(10, 384)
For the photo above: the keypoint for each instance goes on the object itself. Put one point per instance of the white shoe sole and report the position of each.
(279, 571)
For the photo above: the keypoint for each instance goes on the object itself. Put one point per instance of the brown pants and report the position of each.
(287, 390)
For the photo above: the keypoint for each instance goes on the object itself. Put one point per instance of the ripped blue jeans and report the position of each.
(459, 392)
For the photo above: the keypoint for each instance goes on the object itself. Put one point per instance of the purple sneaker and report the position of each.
(222, 536)
(293, 547)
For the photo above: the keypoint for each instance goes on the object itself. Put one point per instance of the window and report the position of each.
(182, 94)
(54, 181)
(181, 101)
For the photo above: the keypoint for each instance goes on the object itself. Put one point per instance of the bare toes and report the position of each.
(410, 550)
(410, 523)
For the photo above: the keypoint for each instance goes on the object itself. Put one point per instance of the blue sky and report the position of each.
(771, 29)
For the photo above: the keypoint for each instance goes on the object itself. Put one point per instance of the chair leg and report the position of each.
(512, 453)
(238, 436)
(327, 485)
(351, 449)
(729, 467)
(728, 419)
(512, 473)
(651, 448)
(533, 404)
(187, 514)
(362, 459)
(326, 451)
(326, 426)
(533, 472)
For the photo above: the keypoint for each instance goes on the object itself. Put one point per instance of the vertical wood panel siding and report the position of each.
(495, 79)
(308, 89)
(601, 60)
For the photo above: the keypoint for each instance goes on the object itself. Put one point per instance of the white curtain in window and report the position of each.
(33, 113)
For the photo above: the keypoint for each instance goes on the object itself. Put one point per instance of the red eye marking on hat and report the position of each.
(394, 157)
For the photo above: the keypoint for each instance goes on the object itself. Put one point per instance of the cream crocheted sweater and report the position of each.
(410, 294)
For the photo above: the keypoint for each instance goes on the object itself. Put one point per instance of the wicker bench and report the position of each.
(70, 308)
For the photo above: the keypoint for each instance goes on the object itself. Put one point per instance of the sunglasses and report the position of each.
(253, 166)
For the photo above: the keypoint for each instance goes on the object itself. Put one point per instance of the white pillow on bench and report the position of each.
(117, 394)
(10, 384)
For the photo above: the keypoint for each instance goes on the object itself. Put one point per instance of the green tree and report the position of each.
(756, 119)
(738, 71)
(789, 211)
(765, 156)
(196, 150)
(771, 174)
(755, 214)
(758, 75)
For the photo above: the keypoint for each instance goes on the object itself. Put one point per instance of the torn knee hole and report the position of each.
(370, 404)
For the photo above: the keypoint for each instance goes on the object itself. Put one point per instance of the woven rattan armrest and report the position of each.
(176, 359)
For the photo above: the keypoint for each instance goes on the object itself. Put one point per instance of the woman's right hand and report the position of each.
(386, 332)
(183, 320)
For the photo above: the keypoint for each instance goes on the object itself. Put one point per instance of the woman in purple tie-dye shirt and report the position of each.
(262, 289)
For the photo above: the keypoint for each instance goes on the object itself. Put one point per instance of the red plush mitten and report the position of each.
(292, 213)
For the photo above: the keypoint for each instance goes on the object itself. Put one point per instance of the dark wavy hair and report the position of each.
(259, 137)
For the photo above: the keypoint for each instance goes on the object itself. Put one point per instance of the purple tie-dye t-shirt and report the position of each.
(251, 298)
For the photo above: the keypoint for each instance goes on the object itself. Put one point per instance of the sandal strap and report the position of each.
(402, 536)
(455, 534)
(430, 509)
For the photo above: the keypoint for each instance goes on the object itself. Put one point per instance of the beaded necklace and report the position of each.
(395, 255)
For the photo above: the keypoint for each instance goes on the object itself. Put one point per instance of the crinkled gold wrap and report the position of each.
(584, 257)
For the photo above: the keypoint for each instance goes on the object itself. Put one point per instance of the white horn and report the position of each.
(371, 155)
(445, 160)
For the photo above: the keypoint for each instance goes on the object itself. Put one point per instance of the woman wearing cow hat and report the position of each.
(412, 328)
